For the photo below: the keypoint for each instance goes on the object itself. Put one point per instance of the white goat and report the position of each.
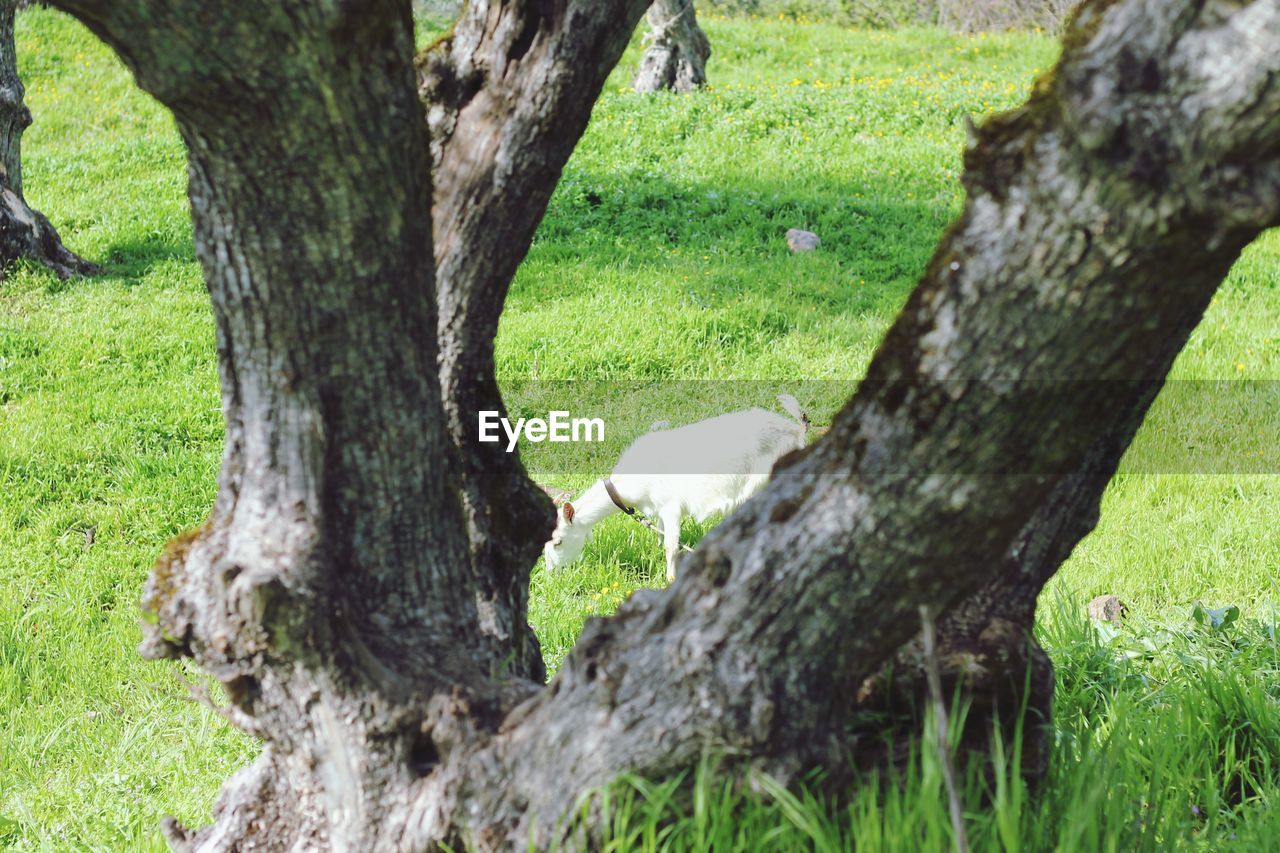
(698, 470)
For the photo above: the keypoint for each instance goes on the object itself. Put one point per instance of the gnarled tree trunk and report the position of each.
(360, 586)
(676, 49)
(24, 233)
(507, 95)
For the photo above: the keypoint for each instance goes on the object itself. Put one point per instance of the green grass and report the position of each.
(1166, 736)
(661, 258)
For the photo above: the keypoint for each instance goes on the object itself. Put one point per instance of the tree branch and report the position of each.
(507, 95)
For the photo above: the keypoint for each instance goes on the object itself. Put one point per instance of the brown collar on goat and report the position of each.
(617, 498)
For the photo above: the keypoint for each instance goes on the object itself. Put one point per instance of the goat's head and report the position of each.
(567, 541)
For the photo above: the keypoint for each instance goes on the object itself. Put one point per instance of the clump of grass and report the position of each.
(1171, 744)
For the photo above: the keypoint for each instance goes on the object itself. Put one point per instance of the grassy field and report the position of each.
(661, 258)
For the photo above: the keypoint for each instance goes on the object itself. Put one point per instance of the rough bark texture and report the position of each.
(987, 644)
(676, 49)
(507, 95)
(330, 590)
(351, 589)
(24, 233)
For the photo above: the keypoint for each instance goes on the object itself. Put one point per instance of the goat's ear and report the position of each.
(566, 509)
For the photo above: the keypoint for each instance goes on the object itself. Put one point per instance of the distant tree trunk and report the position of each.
(360, 587)
(24, 233)
(676, 49)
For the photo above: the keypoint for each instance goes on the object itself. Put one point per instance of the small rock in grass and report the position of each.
(1107, 608)
(802, 241)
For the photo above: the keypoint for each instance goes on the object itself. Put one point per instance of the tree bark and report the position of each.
(24, 233)
(676, 49)
(987, 645)
(360, 592)
(507, 95)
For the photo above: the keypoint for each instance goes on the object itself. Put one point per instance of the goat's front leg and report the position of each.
(670, 523)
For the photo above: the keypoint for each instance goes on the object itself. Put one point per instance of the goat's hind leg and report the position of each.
(669, 522)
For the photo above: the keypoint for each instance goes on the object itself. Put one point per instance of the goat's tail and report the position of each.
(792, 405)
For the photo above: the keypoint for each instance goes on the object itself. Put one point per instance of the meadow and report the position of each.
(661, 261)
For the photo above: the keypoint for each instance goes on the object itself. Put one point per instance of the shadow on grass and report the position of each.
(875, 244)
(128, 261)
(134, 259)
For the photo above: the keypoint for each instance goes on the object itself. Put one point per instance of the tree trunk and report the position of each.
(24, 233)
(987, 645)
(507, 95)
(360, 589)
(676, 49)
